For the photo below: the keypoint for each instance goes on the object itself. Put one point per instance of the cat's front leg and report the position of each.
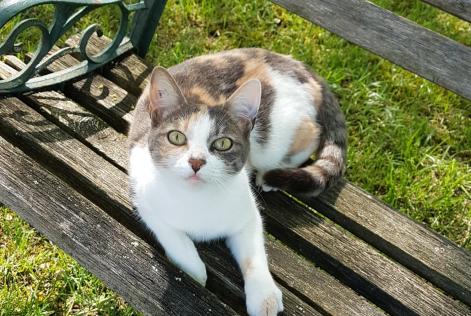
(262, 295)
(181, 250)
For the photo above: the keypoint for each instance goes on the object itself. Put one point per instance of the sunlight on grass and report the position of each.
(37, 278)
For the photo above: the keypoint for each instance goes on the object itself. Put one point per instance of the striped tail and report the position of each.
(330, 162)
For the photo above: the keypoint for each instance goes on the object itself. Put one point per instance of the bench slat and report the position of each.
(114, 103)
(77, 120)
(109, 187)
(123, 261)
(460, 8)
(411, 244)
(430, 255)
(386, 283)
(426, 53)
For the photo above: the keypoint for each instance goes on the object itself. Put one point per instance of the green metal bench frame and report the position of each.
(67, 12)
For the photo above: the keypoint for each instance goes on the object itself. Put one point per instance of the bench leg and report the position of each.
(262, 295)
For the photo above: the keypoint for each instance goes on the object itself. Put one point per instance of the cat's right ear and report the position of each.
(245, 101)
(164, 93)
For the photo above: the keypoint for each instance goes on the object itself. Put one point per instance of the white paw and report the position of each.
(263, 298)
(200, 276)
(259, 178)
(261, 183)
(195, 269)
(267, 188)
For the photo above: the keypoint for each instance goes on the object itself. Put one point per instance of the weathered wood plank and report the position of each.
(99, 95)
(132, 79)
(123, 261)
(100, 181)
(424, 52)
(430, 255)
(389, 285)
(71, 160)
(409, 243)
(460, 8)
(95, 92)
(73, 117)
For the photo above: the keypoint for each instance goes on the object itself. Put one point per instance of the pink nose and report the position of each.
(196, 164)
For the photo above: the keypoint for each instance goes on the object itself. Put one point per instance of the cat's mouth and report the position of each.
(195, 178)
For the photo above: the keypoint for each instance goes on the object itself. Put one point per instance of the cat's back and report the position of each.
(211, 79)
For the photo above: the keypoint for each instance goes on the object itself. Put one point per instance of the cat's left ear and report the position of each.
(244, 103)
(164, 93)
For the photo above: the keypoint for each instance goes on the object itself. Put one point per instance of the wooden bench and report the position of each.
(63, 161)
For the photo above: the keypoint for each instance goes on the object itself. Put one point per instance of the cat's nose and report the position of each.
(196, 164)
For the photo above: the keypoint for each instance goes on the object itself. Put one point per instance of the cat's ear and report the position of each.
(164, 93)
(245, 101)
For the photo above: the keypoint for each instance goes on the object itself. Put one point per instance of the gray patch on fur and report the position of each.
(205, 74)
(224, 125)
(262, 121)
(288, 66)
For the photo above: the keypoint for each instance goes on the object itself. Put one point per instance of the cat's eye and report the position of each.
(177, 138)
(222, 144)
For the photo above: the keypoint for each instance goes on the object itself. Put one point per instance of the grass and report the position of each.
(410, 140)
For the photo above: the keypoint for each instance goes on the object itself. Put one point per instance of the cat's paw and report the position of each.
(263, 297)
(199, 274)
(195, 269)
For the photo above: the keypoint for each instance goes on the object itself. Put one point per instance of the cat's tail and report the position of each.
(330, 162)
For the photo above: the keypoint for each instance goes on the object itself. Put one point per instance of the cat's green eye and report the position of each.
(177, 138)
(222, 144)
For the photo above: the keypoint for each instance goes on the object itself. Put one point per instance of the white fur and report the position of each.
(179, 211)
(293, 104)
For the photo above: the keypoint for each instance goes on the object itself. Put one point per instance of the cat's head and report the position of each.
(197, 143)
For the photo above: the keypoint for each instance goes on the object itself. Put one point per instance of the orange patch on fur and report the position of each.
(205, 96)
(307, 132)
(247, 267)
(254, 70)
(315, 89)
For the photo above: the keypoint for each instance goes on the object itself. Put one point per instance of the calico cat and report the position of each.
(202, 127)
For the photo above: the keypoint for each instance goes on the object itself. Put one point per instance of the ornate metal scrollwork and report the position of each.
(66, 14)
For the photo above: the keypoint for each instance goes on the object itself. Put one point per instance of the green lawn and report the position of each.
(410, 140)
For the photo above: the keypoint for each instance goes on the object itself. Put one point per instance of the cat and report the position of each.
(201, 128)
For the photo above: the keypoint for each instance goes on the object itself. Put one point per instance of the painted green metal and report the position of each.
(67, 12)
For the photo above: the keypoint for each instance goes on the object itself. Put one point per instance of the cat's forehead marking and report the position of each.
(206, 97)
(199, 128)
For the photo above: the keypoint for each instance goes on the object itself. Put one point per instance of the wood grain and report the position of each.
(122, 260)
(132, 79)
(424, 52)
(389, 285)
(430, 255)
(59, 109)
(460, 8)
(95, 92)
